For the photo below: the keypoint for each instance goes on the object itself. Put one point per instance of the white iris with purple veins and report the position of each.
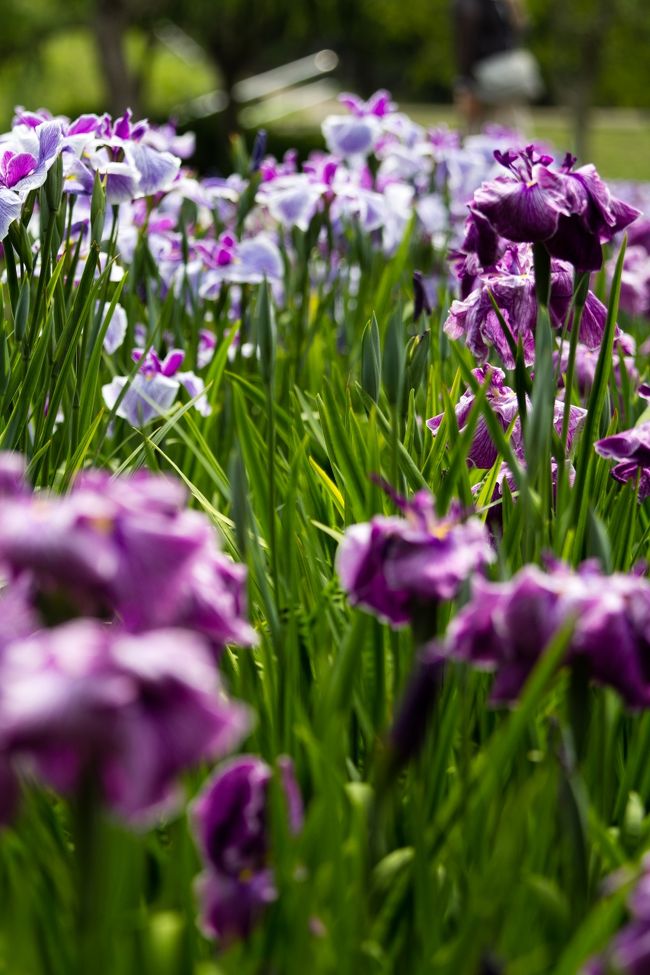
(154, 388)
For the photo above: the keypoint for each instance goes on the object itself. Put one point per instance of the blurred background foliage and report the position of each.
(185, 58)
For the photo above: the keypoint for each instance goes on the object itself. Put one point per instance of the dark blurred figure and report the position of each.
(497, 77)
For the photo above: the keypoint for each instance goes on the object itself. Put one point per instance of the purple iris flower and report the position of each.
(11, 207)
(228, 261)
(631, 448)
(506, 626)
(398, 568)
(125, 549)
(154, 388)
(571, 212)
(629, 951)
(26, 156)
(351, 137)
(131, 713)
(292, 200)
(231, 822)
(118, 151)
(511, 283)
(416, 708)
(586, 361)
(231, 907)
(504, 404)
(635, 280)
(205, 352)
(116, 329)
(380, 104)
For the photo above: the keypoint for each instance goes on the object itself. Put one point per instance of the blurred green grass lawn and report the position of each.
(619, 140)
(63, 75)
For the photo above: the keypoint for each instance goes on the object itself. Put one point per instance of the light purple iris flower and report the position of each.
(292, 200)
(154, 388)
(227, 261)
(351, 137)
(504, 404)
(231, 822)
(205, 352)
(586, 361)
(400, 568)
(116, 329)
(506, 626)
(85, 702)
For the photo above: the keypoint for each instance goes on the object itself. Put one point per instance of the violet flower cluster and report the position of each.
(400, 568)
(232, 821)
(115, 607)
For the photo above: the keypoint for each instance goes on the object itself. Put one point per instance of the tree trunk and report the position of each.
(110, 23)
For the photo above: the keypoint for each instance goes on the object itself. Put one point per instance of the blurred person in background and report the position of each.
(497, 76)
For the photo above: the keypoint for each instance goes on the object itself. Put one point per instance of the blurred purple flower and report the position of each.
(126, 548)
(380, 104)
(116, 330)
(417, 705)
(506, 626)
(351, 137)
(231, 907)
(587, 359)
(130, 713)
(231, 823)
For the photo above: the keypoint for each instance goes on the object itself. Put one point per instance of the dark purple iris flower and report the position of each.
(505, 406)
(506, 626)
(571, 211)
(631, 448)
(397, 568)
(130, 712)
(231, 823)
(415, 710)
